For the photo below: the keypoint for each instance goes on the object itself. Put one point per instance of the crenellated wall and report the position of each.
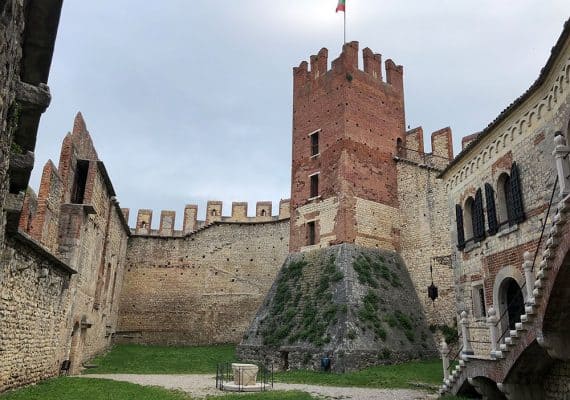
(263, 213)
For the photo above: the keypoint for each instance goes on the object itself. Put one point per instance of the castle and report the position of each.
(75, 278)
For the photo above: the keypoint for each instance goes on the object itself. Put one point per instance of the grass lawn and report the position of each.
(102, 389)
(137, 359)
(386, 376)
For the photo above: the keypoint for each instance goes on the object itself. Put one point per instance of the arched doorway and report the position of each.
(512, 302)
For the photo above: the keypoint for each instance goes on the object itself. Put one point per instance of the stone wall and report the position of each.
(11, 29)
(424, 236)
(203, 288)
(34, 301)
(87, 232)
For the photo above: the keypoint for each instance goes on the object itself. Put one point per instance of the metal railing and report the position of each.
(455, 359)
(225, 374)
(505, 312)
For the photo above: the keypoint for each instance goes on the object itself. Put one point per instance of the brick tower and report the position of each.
(347, 124)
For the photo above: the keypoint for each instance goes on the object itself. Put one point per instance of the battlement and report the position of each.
(347, 63)
(190, 224)
(413, 148)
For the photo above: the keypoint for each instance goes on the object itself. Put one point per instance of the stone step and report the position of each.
(526, 318)
(530, 309)
(497, 354)
(537, 293)
(548, 254)
(504, 347)
(513, 333)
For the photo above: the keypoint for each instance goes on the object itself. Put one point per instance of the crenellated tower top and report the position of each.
(347, 124)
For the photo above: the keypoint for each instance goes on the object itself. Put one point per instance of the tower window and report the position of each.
(314, 185)
(315, 144)
(311, 233)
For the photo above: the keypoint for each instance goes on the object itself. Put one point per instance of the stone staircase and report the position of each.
(535, 304)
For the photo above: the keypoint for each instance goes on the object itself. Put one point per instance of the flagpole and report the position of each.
(344, 24)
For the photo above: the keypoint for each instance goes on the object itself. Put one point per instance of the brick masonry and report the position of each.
(358, 118)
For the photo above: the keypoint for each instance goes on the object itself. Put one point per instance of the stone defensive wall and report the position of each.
(263, 213)
(203, 286)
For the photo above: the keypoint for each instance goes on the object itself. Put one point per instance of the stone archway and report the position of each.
(507, 291)
(511, 302)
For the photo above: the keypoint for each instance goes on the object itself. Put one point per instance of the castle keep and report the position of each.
(342, 267)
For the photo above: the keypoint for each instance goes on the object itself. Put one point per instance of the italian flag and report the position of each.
(341, 6)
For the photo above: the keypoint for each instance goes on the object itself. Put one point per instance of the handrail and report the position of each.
(534, 260)
(455, 357)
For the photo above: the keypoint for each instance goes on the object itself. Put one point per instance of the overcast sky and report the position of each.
(191, 100)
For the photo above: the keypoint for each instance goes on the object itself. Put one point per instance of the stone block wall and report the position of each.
(34, 301)
(424, 236)
(11, 29)
(203, 288)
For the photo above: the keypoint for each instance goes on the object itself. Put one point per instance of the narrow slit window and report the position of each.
(311, 233)
(315, 144)
(314, 185)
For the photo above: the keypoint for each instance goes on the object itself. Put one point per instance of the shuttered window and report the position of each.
(478, 217)
(491, 209)
(460, 231)
(517, 210)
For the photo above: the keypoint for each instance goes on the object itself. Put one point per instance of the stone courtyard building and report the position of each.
(75, 278)
(508, 195)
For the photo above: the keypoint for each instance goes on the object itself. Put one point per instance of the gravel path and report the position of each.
(200, 386)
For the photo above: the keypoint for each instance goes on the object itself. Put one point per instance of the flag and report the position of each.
(341, 6)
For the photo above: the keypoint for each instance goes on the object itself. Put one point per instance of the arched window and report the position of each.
(263, 213)
(504, 200)
(214, 213)
(143, 225)
(468, 218)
